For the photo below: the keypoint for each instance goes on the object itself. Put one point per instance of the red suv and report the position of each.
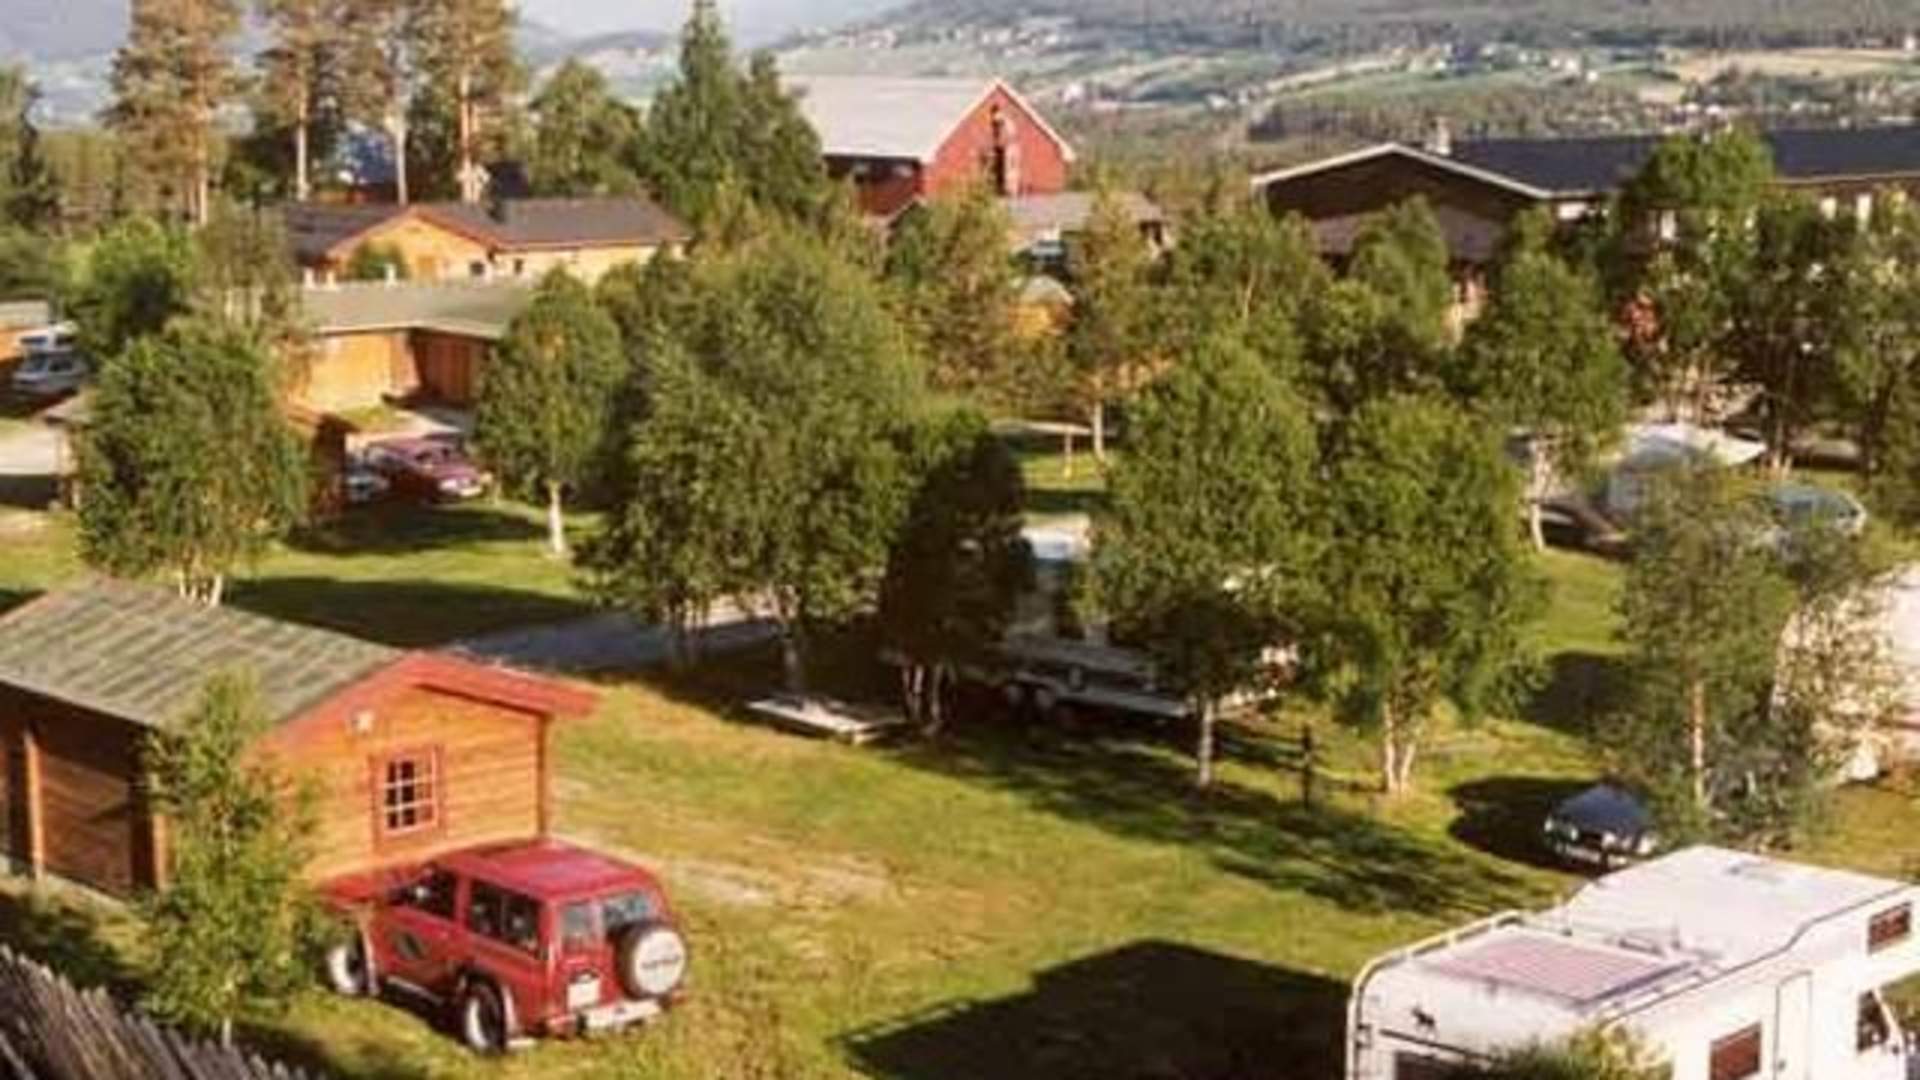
(516, 940)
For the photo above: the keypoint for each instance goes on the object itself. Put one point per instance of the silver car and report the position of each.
(50, 374)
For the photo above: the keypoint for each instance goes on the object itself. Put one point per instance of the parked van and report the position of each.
(1726, 965)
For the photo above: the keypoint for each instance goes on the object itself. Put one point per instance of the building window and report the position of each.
(1890, 928)
(477, 269)
(410, 794)
(1735, 1057)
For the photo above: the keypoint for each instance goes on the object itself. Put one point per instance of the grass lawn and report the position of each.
(401, 574)
(1005, 902)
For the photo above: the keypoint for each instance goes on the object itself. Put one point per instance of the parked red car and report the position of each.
(434, 469)
(514, 941)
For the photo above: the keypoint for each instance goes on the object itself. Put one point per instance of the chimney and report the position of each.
(1439, 138)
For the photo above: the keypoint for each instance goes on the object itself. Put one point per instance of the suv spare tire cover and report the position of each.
(651, 960)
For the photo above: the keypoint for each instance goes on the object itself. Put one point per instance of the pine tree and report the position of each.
(300, 74)
(467, 51)
(382, 74)
(170, 80)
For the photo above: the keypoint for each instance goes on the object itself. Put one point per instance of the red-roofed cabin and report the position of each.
(408, 754)
(901, 140)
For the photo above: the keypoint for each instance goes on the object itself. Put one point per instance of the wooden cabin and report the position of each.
(407, 754)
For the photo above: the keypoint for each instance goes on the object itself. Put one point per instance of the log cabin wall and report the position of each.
(70, 783)
(416, 773)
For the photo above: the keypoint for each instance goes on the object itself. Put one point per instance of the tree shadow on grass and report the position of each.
(404, 614)
(371, 1060)
(1132, 789)
(1150, 1009)
(66, 937)
(1502, 815)
(1581, 688)
(402, 527)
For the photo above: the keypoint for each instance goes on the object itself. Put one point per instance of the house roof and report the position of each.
(897, 118)
(1589, 166)
(480, 310)
(142, 654)
(1068, 211)
(1455, 164)
(318, 230)
(530, 224)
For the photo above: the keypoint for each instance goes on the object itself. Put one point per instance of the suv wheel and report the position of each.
(348, 972)
(650, 960)
(482, 1017)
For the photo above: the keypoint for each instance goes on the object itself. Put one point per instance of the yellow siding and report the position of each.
(431, 252)
(587, 264)
(356, 371)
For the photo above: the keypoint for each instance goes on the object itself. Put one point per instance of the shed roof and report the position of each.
(897, 118)
(142, 654)
(480, 310)
(1602, 164)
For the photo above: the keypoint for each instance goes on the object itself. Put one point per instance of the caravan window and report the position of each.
(1890, 928)
(1423, 1067)
(1735, 1057)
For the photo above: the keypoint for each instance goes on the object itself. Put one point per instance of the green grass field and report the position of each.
(1004, 902)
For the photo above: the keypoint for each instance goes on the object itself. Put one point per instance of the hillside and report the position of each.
(1333, 25)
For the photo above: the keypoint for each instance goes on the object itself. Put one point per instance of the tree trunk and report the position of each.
(793, 660)
(1393, 769)
(469, 178)
(397, 130)
(1208, 711)
(1098, 421)
(936, 704)
(1697, 740)
(1537, 524)
(302, 183)
(556, 523)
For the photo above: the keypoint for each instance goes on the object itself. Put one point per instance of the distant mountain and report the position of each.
(53, 30)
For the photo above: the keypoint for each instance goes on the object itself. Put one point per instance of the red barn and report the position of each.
(904, 139)
(407, 754)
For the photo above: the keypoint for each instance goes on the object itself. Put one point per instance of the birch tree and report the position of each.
(1427, 579)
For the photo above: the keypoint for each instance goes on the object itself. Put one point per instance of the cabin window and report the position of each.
(1889, 928)
(1735, 1057)
(410, 793)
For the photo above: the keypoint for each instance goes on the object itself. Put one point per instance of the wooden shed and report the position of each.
(407, 754)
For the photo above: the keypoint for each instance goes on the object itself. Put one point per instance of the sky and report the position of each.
(751, 20)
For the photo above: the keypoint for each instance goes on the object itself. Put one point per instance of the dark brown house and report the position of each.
(1476, 187)
(407, 753)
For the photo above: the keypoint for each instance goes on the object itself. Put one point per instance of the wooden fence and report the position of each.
(51, 1031)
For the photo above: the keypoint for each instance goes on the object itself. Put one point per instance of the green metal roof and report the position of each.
(144, 655)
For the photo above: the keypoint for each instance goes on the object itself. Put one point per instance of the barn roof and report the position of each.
(897, 118)
(142, 654)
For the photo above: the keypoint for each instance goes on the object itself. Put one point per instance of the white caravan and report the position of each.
(1727, 965)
